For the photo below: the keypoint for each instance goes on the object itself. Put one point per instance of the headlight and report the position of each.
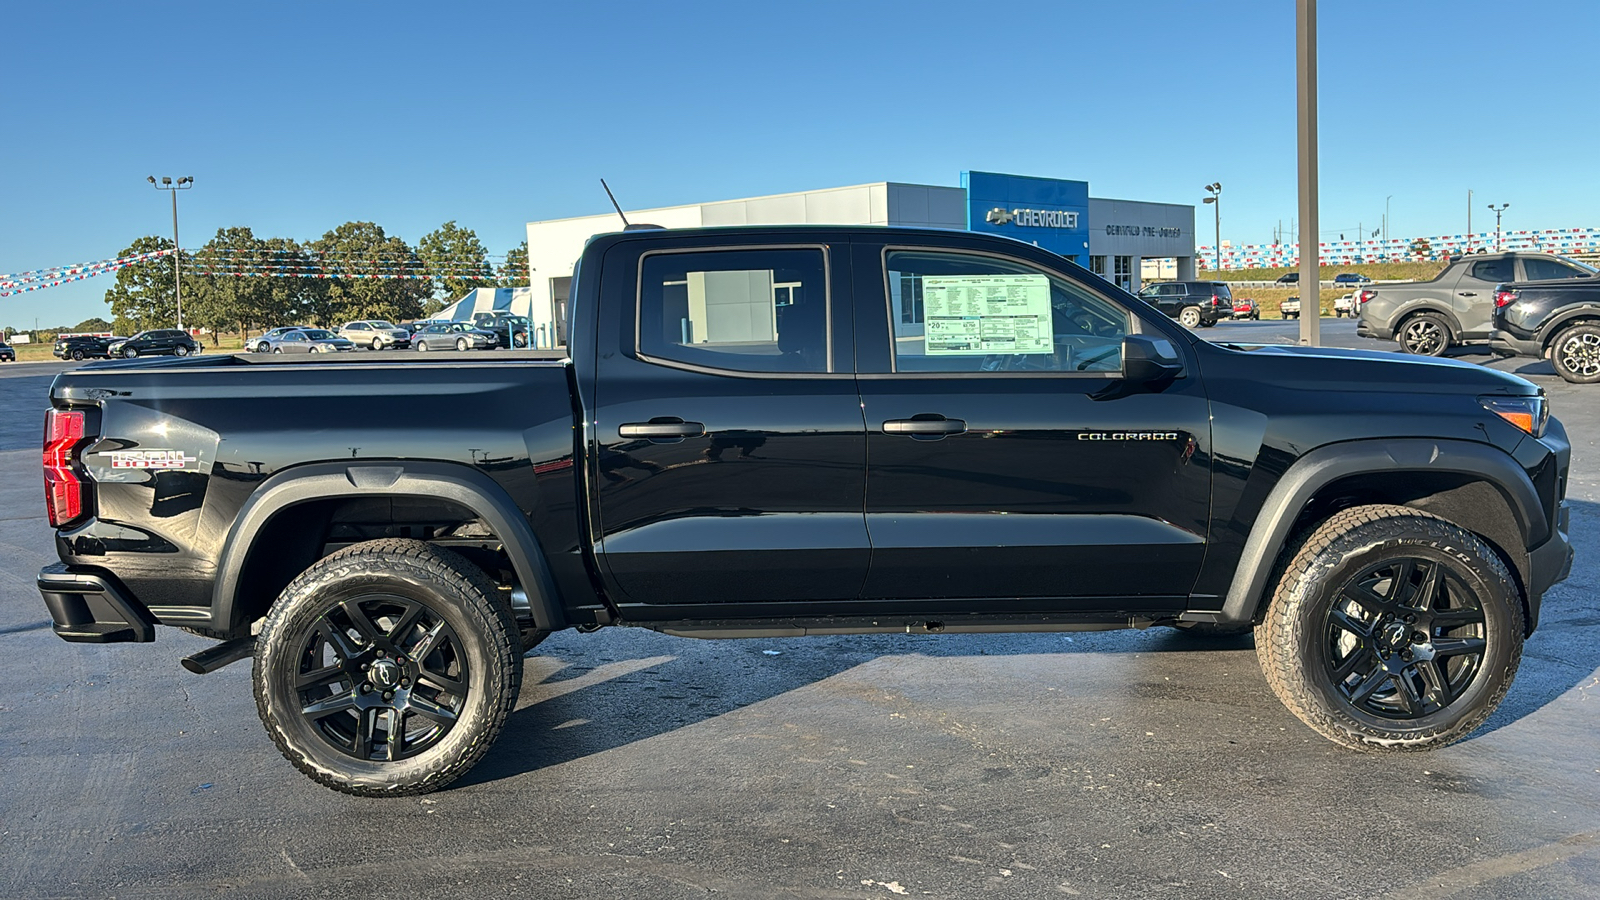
(1529, 414)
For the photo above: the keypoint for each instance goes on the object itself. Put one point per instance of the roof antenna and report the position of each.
(626, 225)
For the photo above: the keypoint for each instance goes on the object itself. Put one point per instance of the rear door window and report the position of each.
(1493, 270)
(761, 310)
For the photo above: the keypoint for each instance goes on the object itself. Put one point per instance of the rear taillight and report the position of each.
(1366, 296)
(63, 489)
(1504, 298)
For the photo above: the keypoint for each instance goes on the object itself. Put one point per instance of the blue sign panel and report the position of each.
(1050, 212)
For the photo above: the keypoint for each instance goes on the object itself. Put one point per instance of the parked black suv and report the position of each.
(1193, 303)
(83, 346)
(6, 353)
(159, 342)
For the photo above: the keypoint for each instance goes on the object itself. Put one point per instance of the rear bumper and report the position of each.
(90, 608)
(1368, 330)
(1501, 342)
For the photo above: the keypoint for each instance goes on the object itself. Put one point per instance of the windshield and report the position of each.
(379, 323)
(317, 334)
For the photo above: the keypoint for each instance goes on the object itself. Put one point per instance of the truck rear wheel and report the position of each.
(1575, 353)
(1392, 629)
(1425, 334)
(387, 668)
(1190, 317)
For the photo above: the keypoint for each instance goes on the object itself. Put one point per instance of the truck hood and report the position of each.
(1340, 369)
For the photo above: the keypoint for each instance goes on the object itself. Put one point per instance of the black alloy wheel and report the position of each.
(181, 350)
(1392, 630)
(381, 677)
(77, 355)
(130, 352)
(1425, 334)
(1404, 638)
(387, 668)
(1575, 354)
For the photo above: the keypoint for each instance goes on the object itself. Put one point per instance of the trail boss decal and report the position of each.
(1127, 435)
(149, 459)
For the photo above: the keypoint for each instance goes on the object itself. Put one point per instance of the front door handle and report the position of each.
(662, 428)
(925, 425)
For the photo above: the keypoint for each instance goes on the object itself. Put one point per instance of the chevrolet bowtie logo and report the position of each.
(998, 216)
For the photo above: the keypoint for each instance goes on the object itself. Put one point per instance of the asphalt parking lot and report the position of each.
(1100, 765)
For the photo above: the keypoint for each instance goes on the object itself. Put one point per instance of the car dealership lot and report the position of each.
(1121, 764)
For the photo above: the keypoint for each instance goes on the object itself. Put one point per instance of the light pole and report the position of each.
(183, 184)
(1497, 210)
(1386, 227)
(1216, 193)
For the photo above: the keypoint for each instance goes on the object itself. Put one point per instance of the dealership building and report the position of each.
(1111, 238)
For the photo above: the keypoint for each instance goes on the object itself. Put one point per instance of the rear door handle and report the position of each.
(925, 424)
(660, 428)
(1469, 293)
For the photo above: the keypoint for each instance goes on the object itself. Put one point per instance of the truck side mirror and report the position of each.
(1147, 360)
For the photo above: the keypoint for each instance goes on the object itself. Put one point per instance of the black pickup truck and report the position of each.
(790, 431)
(1554, 320)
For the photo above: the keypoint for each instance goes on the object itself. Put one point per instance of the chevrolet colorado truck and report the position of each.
(776, 431)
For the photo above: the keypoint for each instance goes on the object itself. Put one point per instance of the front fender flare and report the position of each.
(1325, 465)
(445, 481)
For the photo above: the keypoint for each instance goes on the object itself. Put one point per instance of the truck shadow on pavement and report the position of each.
(585, 695)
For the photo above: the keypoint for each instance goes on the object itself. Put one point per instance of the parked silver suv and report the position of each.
(376, 334)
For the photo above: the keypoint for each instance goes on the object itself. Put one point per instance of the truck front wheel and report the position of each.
(387, 668)
(1392, 629)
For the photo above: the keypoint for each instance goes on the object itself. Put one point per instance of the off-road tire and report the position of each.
(1189, 317)
(1425, 334)
(1298, 638)
(447, 587)
(1575, 354)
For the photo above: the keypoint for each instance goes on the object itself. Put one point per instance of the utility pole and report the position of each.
(1306, 77)
(183, 184)
(1497, 211)
(1215, 200)
(1469, 220)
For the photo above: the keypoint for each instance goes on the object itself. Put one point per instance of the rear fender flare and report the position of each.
(1561, 320)
(1428, 306)
(445, 481)
(1325, 465)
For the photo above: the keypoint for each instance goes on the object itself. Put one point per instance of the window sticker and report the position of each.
(969, 315)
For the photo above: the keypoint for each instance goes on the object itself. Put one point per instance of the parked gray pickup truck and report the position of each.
(1457, 306)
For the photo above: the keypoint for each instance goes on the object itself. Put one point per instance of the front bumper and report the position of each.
(1550, 563)
(90, 608)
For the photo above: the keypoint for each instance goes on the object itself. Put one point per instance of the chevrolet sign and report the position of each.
(1033, 218)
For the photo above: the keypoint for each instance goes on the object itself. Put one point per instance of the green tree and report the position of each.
(374, 276)
(457, 261)
(94, 325)
(514, 271)
(143, 295)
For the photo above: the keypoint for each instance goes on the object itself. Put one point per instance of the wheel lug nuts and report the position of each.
(366, 688)
(380, 654)
(405, 682)
(1418, 637)
(1410, 619)
(388, 695)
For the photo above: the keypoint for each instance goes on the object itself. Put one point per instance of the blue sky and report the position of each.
(296, 117)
